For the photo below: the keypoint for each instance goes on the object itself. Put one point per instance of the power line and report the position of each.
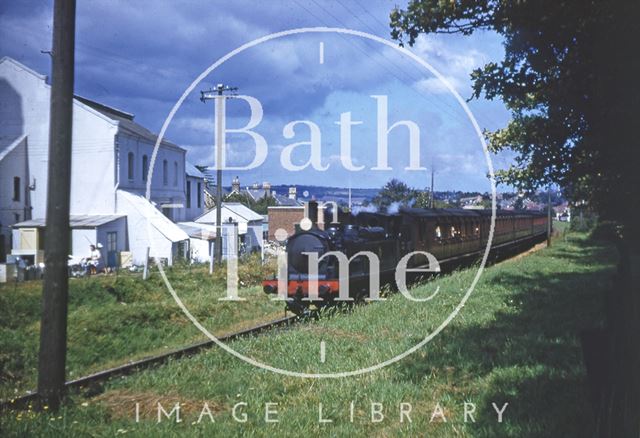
(422, 95)
(478, 116)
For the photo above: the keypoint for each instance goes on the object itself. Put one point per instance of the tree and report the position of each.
(422, 199)
(242, 198)
(569, 78)
(395, 191)
(261, 206)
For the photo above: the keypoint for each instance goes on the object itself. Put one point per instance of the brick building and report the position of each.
(284, 217)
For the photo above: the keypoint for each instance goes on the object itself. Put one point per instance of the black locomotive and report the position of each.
(452, 236)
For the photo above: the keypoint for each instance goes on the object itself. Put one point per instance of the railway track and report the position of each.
(92, 381)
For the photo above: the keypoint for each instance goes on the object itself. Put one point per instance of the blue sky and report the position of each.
(141, 56)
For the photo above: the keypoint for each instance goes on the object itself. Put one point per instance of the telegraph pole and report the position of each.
(549, 216)
(53, 326)
(431, 203)
(220, 98)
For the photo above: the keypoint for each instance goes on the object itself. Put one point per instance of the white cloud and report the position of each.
(436, 86)
(453, 61)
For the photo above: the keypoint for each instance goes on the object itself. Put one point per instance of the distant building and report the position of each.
(256, 192)
(249, 224)
(471, 202)
(563, 212)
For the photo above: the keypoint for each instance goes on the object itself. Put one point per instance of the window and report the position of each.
(199, 195)
(112, 241)
(16, 188)
(188, 194)
(145, 167)
(165, 172)
(130, 165)
(112, 249)
(175, 174)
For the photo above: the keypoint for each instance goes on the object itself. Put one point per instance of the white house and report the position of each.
(15, 205)
(111, 160)
(202, 239)
(249, 224)
(194, 193)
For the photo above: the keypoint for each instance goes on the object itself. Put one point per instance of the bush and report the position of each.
(585, 223)
(607, 230)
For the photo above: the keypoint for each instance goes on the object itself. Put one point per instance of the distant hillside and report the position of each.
(451, 197)
(337, 194)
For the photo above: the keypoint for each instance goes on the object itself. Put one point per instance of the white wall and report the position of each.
(142, 234)
(200, 250)
(14, 164)
(194, 211)
(81, 238)
(171, 193)
(24, 109)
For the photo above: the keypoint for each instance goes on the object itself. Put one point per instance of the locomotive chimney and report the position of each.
(312, 212)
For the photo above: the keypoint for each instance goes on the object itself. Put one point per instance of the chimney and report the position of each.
(292, 193)
(266, 186)
(235, 185)
(312, 212)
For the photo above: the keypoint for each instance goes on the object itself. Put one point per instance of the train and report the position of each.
(453, 236)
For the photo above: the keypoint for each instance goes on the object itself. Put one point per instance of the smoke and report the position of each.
(362, 209)
(394, 207)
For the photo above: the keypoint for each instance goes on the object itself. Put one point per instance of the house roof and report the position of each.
(258, 193)
(234, 210)
(286, 201)
(193, 170)
(8, 146)
(23, 67)
(75, 221)
(125, 121)
(201, 231)
(159, 221)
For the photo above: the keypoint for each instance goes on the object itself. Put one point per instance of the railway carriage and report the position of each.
(452, 236)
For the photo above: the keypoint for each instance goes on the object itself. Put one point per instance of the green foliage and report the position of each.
(568, 82)
(395, 191)
(607, 230)
(115, 318)
(583, 221)
(422, 199)
(260, 206)
(242, 198)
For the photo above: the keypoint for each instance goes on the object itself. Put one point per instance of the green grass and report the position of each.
(516, 341)
(113, 319)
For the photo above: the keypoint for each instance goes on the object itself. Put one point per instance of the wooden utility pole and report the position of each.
(53, 326)
(218, 95)
(549, 216)
(432, 194)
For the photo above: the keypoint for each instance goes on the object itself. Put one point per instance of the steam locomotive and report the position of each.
(452, 236)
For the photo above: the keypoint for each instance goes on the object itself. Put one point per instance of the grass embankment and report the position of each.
(115, 319)
(516, 341)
